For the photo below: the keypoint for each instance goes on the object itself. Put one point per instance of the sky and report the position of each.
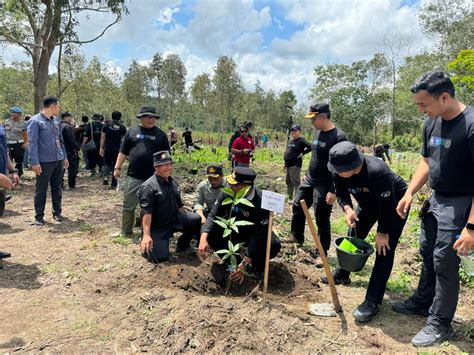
(277, 42)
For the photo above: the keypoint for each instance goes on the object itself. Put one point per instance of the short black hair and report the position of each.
(435, 82)
(65, 114)
(85, 119)
(50, 100)
(116, 115)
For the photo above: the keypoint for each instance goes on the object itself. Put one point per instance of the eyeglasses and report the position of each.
(243, 131)
(146, 116)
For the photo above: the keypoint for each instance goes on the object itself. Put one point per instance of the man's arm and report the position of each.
(199, 204)
(118, 164)
(419, 179)
(465, 244)
(102, 143)
(13, 172)
(5, 182)
(33, 132)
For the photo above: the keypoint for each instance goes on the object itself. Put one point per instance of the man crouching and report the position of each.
(253, 236)
(163, 212)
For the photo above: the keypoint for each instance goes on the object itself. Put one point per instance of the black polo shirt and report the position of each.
(139, 144)
(113, 135)
(376, 188)
(294, 149)
(449, 147)
(162, 199)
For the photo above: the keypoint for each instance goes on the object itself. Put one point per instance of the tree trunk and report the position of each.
(40, 83)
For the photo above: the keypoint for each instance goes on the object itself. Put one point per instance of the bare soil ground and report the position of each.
(70, 287)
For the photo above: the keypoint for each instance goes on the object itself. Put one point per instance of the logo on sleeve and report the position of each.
(318, 142)
(438, 141)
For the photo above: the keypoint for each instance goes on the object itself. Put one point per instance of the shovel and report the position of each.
(322, 309)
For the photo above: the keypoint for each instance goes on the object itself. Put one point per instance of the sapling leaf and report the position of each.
(236, 248)
(230, 245)
(232, 220)
(245, 202)
(243, 223)
(228, 191)
(222, 251)
(227, 232)
(221, 224)
(242, 193)
(235, 228)
(227, 201)
(225, 257)
(233, 260)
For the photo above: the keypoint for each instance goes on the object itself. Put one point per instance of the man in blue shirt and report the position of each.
(48, 157)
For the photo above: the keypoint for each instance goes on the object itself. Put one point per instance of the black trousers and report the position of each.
(51, 175)
(110, 157)
(313, 194)
(188, 223)
(438, 287)
(95, 159)
(72, 171)
(256, 250)
(383, 263)
(17, 154)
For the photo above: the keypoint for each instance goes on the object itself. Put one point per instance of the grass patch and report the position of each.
(400, 284)
(122, 240)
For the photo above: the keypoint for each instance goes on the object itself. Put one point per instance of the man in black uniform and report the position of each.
(72, 149)
(448, 164)
(163, 212)
(377, 191)
(138, 145)
(295, 150)
(93, 131)
(383, 150)
(318, 186)
(110, 140)
(253, 236)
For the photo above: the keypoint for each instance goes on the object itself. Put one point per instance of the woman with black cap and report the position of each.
(377, 191)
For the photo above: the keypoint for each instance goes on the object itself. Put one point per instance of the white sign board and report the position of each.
(272, 201)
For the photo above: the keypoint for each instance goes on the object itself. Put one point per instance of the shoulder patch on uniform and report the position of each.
(386, 194)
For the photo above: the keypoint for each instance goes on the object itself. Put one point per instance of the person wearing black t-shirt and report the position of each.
(138, 145)
(377, 191)
(447, 163)
(93, 131)
(295, 150)
(318, 187)
(72, 149)
(110, 140)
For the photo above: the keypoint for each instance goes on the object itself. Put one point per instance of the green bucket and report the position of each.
(352, 253)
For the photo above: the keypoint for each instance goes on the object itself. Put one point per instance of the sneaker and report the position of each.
(40, 222)
(432, 335)
(338, 279)
(366, 311)
(58, 217)
(410, 308)
(105, 182)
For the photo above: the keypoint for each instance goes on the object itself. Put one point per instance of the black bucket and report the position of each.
(349, 261)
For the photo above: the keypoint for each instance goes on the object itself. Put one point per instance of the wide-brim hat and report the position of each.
(241, 175)
(147, 111)
(344, 157)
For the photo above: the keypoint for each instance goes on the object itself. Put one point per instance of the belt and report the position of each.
(15, 142)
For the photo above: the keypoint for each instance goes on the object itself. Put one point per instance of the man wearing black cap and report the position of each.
(138, 145)
(295, 150)
(163, 212)
(93, 131)
(377, 191)
(208, 191)
(253, 236)
(447, 163)
(318, 186)
(72, 149)
(110, 140)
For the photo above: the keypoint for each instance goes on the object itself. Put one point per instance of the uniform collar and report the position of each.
(162, 180)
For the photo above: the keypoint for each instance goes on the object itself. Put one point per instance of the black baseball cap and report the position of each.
(214, 170)
(316, 109)
(66, 114)
(295, 127)
(241, 175)
(147, 111)
(162, 157)
(343, 157)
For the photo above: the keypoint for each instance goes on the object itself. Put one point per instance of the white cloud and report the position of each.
(166, 15)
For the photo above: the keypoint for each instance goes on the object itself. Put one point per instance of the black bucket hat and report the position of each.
(343, 157)
(147, 111)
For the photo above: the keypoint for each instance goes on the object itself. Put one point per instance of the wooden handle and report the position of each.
(267, 258)
(322, 254)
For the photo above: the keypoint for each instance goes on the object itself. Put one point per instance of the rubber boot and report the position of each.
(128, 219)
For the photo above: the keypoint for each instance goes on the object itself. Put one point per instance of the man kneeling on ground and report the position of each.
(208, 191)
(163, 212)
(253, 236)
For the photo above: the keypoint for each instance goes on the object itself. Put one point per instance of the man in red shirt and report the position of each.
(243, 148)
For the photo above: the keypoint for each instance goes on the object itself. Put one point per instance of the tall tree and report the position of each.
(136, 84)
(39, 26)
(174, 80)
(463, 69)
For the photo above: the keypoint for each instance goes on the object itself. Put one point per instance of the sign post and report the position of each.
(273, 202)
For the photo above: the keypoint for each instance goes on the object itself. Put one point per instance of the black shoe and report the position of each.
(298, 241)
(105, 182)
(4, 255)
(8, 198)
(410, 308)
(366, 311)
(338, 279)
(40, 222)
(432, 335)
(72, 187)
(58, 217)
(220, 273)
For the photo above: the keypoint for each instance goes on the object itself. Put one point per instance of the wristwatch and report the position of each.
(470, 226)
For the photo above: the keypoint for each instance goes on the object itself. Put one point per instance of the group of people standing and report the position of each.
(337, 171)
